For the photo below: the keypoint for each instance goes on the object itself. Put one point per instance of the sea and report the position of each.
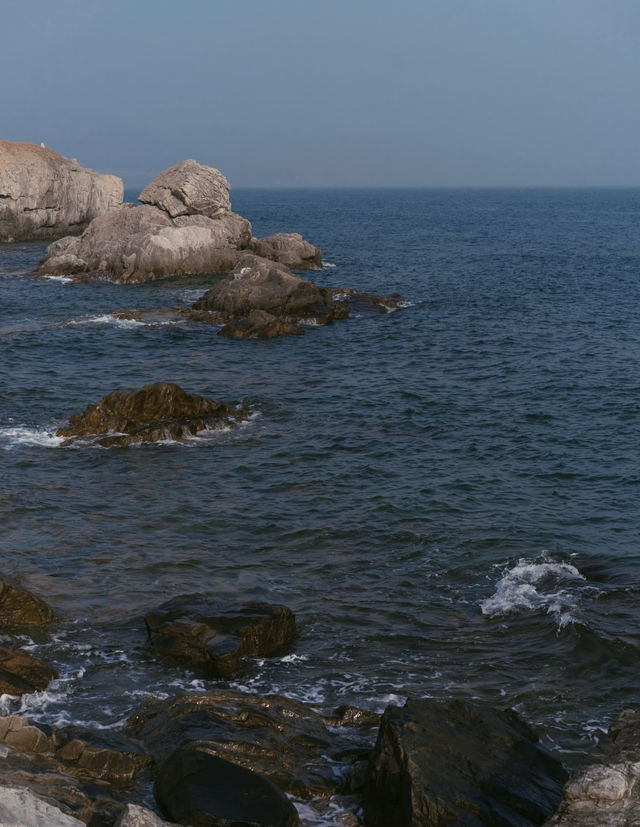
(447, 495)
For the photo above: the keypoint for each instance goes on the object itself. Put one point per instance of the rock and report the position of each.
(457, 762)
(189, 188)
(44, 195)
(289, 249)
(19, 807)
(151, 414)
(259, 284)
(20, 673)
(19, 607)
(259, 325)
(197, 787)
(277, 737)
(214, 635)
(136, 816)
(360, 302)
(138, 244)
(607, 789)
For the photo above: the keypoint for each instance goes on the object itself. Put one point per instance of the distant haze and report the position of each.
(331, 93)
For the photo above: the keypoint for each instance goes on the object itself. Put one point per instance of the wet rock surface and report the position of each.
(215, 635)
(21, 674)
(154, 413)
(361, 302)
(44, 195)
(19, 607)
(456, 762)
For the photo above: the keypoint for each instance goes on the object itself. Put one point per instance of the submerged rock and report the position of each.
(289, 249)
(195, 786)
(361, 302)
(44, 195)
(21, 674)
(215, 635)
(457, 762)
(19, 607)
(153, 413)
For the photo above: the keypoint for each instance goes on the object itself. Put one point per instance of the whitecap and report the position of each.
(108, 318)
(60, 279)
(328, 264)
(21, 435)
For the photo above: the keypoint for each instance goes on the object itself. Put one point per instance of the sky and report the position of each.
(337, 93)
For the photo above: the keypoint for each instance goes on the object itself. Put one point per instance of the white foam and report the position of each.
(61, 279)
(328, 264)
(21, 435)
(541, 584)
(108, 318)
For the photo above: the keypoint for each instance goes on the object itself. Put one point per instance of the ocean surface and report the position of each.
(447, 496)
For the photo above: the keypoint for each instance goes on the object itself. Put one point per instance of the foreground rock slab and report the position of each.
(44, 195)
(197, 787)
(606, 791)
(154, 413)
(456, 762)
(215, 636)
(19, 807)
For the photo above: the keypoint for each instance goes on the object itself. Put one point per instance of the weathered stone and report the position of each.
(197, 787)
(44, 195)
(259, 284)
(19, 607)
(360, 302)
(259, 325)
(153, 413)
(606, 791)
(20, 673)
(19, 807)
(215, 635)
(135, 816)
(289, 249)
(137, 244)
(277, 737)
(189, 188)
(457, 762)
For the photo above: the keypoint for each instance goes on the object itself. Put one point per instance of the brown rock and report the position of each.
(153, 413)
(19, 607)
(289, 249)
(20, 673)
(361, 302)
(259, 325)
(214, 635)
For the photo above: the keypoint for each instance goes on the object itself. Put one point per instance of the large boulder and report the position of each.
(457, 762)
(44, 195)
(154, 413)
(215, 635)
(19, 607)
(136, 244)
(21, 674)
(260, 284)
(606, 790)
(189, 188)
(289, 249)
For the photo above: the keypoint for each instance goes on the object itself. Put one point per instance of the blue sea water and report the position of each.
(447, 496)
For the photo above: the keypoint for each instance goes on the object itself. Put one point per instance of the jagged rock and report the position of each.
(189, 188)
(197, 787)
(606, 791)
(259, 284)
(19, 807)
(153, 413)
(137, 244)
(44, 195)
(20, 673)
(360, 302)
(277, 737)
(135, 816)
(457, 762)
(215, 635)
(19, 607)
(289, 249)
(259, 325)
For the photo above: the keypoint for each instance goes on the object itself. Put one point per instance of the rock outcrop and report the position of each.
(44, 195)
(439, 763)
(215, 635)
(153, 413)
(21, 674)
(189, 188)
(606, 791)
(19, 607)
(289, 249)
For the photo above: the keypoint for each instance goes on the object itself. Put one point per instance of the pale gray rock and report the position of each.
(137, 244)
(290, 249)
(44, 195)
(21, 808)
(136, 816)
(189, 188)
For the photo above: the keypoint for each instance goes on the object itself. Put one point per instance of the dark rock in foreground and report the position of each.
(19, 607)
(21, 674)
(215, 636)
(151, 414)
(44, 195)
(197, 787)
(607, 790)
(457, 762)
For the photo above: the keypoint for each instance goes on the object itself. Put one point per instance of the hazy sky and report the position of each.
(331, 92)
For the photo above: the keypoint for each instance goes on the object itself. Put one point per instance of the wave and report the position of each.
(60, 279)
(36, 437)
(108, 318)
